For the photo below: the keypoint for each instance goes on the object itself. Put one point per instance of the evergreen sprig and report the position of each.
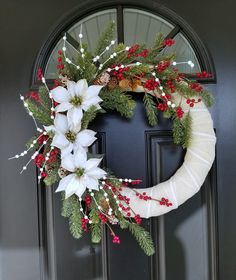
(118, 100)
(182, 131)
(105, 38)
(89, 116)
(151, 110)
(143, 238)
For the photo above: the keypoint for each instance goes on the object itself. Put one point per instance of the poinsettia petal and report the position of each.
(72, 187)
(94, 90)
(96, 173)
(64, 182)
(60, 141)
(81, 87)
(71, 87)
(65, 106)
(49, 128)
(92, 163)
(88, 102)
(74, 117)
(92, 183)
(67, 150)
(80, 158)
(61, 123)
(85, 137)
(60, 94)
(67, 162)
(81, 187)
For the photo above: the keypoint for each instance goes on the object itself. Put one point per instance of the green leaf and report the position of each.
(182, 131)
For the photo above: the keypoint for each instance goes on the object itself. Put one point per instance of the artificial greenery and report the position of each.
(119, 101)
(151, 110)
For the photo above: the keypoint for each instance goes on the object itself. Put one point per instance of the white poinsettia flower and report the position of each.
(68, 140)
(85, 174)
(76, 98)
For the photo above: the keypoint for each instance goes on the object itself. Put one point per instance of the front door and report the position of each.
(193, 242)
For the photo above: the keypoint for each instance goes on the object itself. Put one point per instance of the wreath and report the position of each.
(88, 85)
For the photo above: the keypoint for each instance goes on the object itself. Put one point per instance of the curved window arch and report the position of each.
(133, 25)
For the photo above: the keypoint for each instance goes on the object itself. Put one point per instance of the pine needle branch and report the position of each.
(151, 110)
(143, 238)
(117, 100)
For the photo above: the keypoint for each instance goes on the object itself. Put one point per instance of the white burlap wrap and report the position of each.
(191, 175)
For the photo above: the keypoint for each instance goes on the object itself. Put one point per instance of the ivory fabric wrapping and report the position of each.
(189, 178)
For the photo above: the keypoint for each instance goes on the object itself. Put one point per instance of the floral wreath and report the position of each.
(89, 84)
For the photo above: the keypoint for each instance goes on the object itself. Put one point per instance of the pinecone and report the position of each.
(103, 79)
(105, 205)
(62, 172)
(113, 83)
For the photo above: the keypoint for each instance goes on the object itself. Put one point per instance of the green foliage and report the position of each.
(105, 38)
(89, 116)
(182, 131)
(39, 112)
(96, 228)
(137, 70)
(207, 98)
(52, 176)
(155, 49)
(71, 210)
(151, 110)
(143, 238)
(44, 99)
(30, 141)
(117, 100)
(67, 205)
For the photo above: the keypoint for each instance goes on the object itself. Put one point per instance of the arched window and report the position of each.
(133, 25)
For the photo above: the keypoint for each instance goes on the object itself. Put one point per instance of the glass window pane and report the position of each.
(92, 26)
(184, 52)
(141, 27)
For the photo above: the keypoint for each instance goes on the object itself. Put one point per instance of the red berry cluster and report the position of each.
(171, 86)
(39, 74)
(43, 174)
(53, 155)
(179, 77)
(165, 201)
(133, 51)
(60, 65)
(124, 198)
(88, 200)
(162, 107)
(193, 101)
(119, 73)
(203, 74)
(151, 84)
(34, 95)
(136, 182)
(56, 83)
(161, 66)
(39, 160)
(168, 42)
(196, 86)
(116, 239)
(143, 196)
(179, 112)
(84, 222)
(103, 218)
(137, 218)
(42, 138)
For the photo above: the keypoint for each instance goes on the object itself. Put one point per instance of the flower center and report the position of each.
(80, 172)
(70, 136)
(76, 100)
